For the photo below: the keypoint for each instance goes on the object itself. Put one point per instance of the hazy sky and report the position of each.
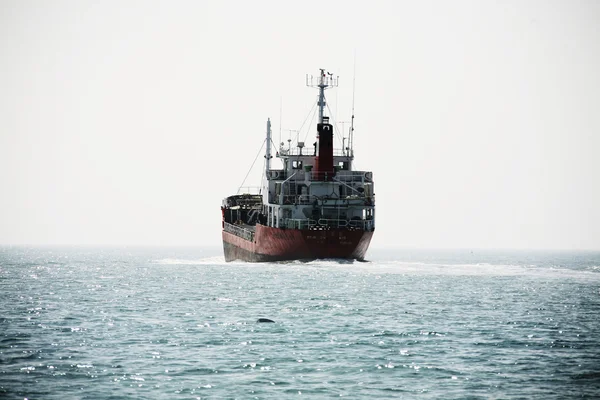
(127, 122)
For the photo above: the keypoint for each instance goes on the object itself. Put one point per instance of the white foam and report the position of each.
(400, 267)
(180, 261)
(423, 268)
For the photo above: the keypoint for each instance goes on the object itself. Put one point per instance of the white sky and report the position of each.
(127, 122)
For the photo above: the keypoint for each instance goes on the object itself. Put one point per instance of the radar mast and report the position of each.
(324, 81)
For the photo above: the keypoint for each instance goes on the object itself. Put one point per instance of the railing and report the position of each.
(364, 224)
(249, 190)
(333, 223)
(327, 223)
(300, 223)
(354, 176)
(239, 231)
(300, 175)
(355, 199)
(310, 151)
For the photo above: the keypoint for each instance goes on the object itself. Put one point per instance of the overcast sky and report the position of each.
(127, 122)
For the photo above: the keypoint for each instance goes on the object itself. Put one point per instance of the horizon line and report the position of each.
(215, 246)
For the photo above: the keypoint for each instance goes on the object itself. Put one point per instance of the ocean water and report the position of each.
(93, 323)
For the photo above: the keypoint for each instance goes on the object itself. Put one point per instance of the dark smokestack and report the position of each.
(324, 159)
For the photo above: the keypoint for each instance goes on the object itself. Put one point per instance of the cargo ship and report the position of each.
(317, 206)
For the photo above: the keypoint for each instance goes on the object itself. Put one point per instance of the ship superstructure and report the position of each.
(316, 206)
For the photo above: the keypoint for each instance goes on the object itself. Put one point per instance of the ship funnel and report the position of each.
(324, 160)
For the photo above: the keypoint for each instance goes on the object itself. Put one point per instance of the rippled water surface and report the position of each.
(181, 323)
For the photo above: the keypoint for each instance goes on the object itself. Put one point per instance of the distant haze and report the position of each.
(128, 122)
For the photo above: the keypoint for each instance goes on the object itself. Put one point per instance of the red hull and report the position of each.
(273, 244)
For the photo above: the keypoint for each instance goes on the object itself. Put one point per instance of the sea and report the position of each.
(181, 323)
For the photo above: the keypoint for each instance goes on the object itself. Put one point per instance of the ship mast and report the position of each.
(268, 155)
(351, 133)
(326, 80)
(322, 86)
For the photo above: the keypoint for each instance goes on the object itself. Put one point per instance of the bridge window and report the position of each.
(297, 164)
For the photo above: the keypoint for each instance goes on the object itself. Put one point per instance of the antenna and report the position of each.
(293, 133)
(325, 80)
(280, 113)
(344, 148)
(336, 105)
(351, 135)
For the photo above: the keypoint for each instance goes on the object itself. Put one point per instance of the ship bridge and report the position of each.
(317, 186)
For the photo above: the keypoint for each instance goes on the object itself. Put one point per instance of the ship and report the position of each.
(316, 207)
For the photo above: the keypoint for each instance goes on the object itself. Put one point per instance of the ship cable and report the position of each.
(254, 162)
(312, 117)
(336, 129)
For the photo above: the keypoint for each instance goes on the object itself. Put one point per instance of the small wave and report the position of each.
(327, 262)
(487, 269)
(201, 261)
(401, 267)
(216, 261)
